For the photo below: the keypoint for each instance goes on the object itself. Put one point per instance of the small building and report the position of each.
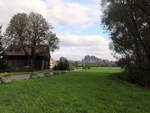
(18, 61)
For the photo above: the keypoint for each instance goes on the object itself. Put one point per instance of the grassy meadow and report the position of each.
(87, 91)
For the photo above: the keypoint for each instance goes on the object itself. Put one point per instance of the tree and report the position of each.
(2, 60)
(129, 24)
(63, 64)
(53, 42)
(17, 31)
(30, 30)
(38, 29)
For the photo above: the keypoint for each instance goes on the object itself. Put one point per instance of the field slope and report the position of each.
(89, 91)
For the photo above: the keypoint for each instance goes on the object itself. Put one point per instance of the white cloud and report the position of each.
(11, 7)
(66, 13)
(77, 46)
(60, 12)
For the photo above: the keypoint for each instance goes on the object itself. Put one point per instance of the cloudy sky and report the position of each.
(76, 23)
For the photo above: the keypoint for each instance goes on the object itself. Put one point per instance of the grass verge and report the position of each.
(87, 91)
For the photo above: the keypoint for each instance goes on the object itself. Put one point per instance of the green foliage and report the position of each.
(38, 29)
(53, 42)
(90, 91)
(5, 74)
(101, 64)
(137, 77)
(16, 32)
(3, 65)
(129, 24)
(63, 64)
(34, 73)
(87, 66)
(30, 30)
(72, 67)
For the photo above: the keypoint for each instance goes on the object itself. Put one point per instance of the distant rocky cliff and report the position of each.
(91, 59)
(94, 61)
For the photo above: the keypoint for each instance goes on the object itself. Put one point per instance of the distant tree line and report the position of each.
(92, 61)
(129, 24)
(103, 64)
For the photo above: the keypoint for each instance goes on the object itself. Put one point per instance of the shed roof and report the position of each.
(14, 50)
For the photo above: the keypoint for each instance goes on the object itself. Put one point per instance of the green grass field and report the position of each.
(88, 91)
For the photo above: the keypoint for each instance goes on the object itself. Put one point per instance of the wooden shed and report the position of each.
(18, 61)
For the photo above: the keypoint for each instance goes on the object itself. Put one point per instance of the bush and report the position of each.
(86, 67)
(72, 68)
(137, 77)
(33, 73)
(5, 74)
(63, 64)
(55, 67)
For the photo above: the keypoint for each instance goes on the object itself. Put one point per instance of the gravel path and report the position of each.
(28, 76)
(20, 77)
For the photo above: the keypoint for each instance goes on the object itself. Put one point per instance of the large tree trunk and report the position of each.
(33, 57)
(49, 63)
(135, 30)
(32, 63)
